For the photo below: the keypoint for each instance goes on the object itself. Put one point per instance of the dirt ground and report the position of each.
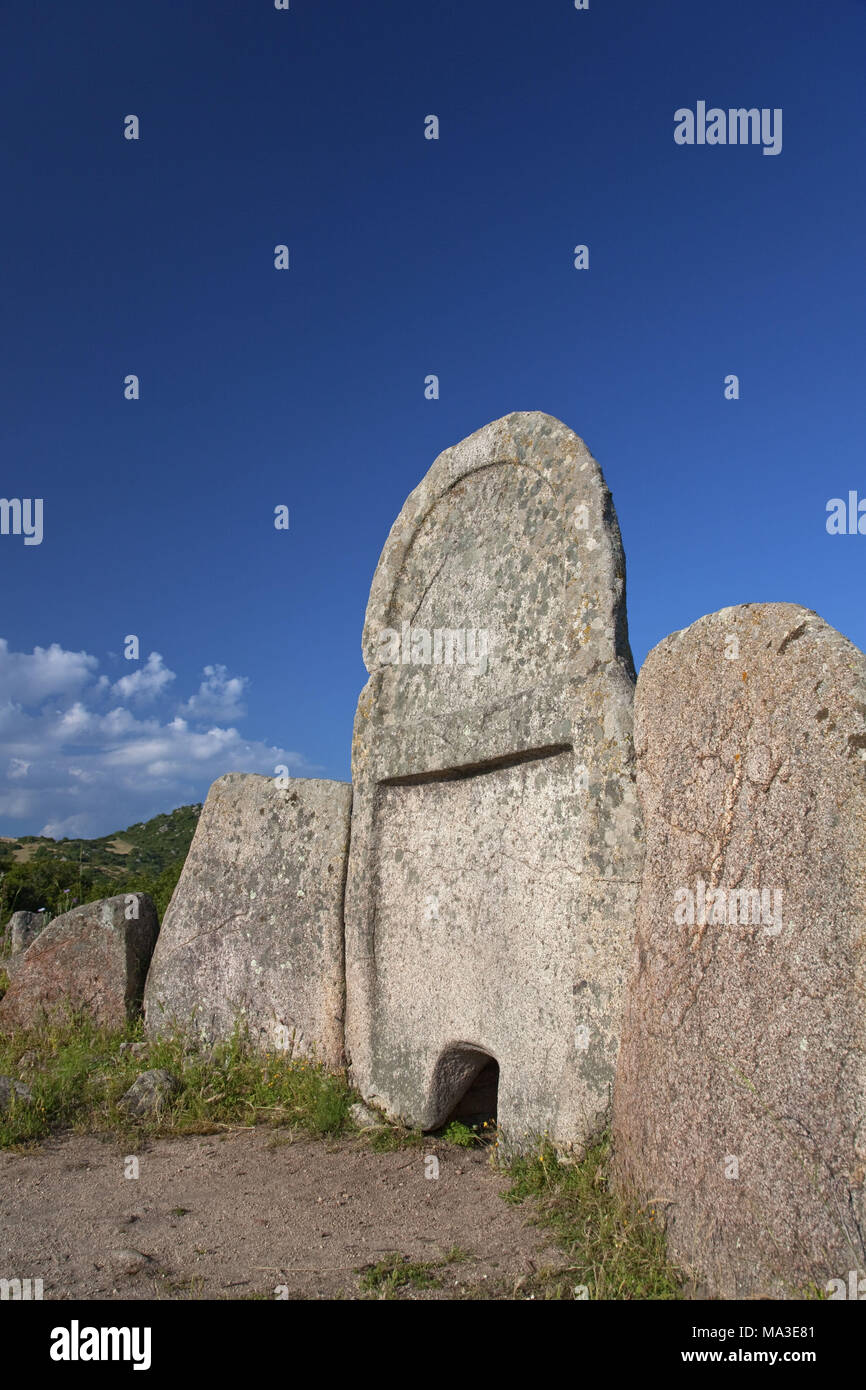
(241, 1213)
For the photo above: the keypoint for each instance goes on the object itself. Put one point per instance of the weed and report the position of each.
(462, 1135)
(616, 1249)
(396, 1272)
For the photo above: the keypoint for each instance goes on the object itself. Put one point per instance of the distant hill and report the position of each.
(151, 845)
(37, 872)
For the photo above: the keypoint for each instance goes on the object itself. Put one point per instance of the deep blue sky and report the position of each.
(407, 257)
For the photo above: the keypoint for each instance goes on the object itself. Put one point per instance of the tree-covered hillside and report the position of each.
(36, 872)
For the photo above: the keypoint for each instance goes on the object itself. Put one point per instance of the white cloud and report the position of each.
(75, 767)
(147, 682)
(73, 828)
(28, 678)
(219, 696)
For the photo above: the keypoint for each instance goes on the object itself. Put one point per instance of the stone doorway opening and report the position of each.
(466, 1087)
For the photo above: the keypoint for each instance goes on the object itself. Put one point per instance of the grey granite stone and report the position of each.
(254, 931)
(740, 1103)
(496, 842)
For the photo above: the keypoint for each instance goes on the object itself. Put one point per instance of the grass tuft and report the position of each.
(396, 1272)
(616, 1249)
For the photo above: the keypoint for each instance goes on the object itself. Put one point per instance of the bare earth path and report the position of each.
(240, 1213)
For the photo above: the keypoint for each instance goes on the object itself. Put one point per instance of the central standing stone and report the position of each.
(496, 843)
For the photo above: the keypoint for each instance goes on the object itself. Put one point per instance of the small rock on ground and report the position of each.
(149, 1092)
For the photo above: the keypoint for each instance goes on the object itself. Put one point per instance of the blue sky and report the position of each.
(407, 257)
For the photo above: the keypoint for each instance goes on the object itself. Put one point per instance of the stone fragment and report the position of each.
(130, 1261)
(254, 932)
(496, 843)
(740, 1100)
(149, 1093)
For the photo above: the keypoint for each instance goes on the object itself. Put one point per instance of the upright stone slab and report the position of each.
(495, 843)
(93, 959)
(254, 931)
(23, 929)
(740, 1104)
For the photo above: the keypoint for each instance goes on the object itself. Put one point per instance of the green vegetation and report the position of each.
(468, 1136)
(616, 1249)
(390, 1137)
(398, 1272)
(77, 1074)
(56, 875)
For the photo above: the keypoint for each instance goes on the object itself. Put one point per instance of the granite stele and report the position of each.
(496, 842)
(740, 1107)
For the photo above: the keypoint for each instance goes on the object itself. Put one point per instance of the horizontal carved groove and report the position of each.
(456, 774)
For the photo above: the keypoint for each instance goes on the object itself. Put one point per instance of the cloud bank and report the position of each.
(80, 755)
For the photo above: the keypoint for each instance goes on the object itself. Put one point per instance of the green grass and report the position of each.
(397, 1272)
(390, 1137)
(615, 1248)
(467, 1136)
(77, 1076)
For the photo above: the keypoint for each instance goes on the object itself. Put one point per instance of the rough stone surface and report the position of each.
(10, 1087)
(11, 964)
(495, 832)
(23, 928)
(149, 1093)
(744, 1041)
(364, 1117)
(254, 931)
(93, 959)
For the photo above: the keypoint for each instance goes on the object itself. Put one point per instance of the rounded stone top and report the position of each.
(586, 541)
